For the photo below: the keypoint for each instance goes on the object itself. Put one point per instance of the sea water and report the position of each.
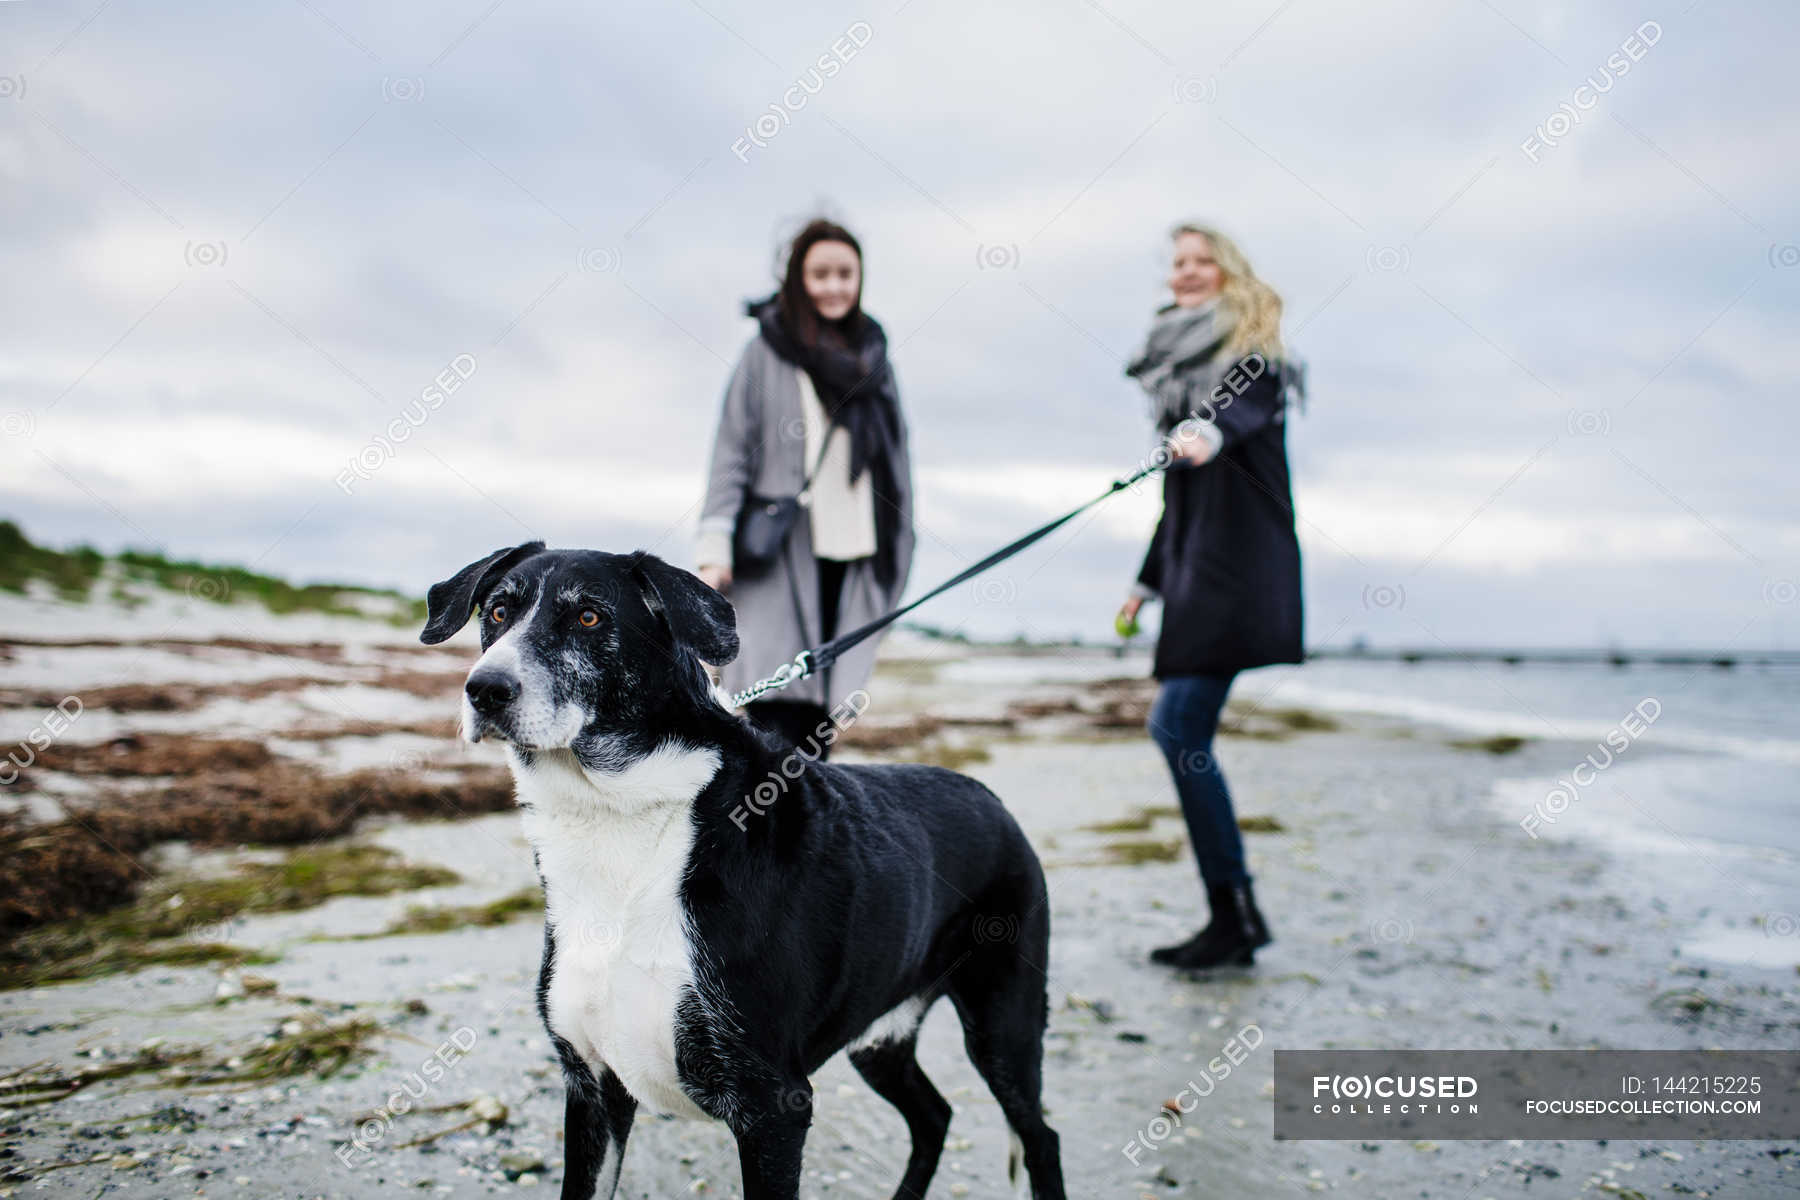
(1690, 773)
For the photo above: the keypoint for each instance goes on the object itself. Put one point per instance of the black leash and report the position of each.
(817, 659)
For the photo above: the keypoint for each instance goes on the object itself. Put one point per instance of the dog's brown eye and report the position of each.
(589, 617)
(497, 614)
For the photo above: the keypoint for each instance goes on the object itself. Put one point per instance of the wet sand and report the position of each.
(1409, 911)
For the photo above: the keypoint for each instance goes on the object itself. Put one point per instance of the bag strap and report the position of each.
(806, 480)
(831, 425)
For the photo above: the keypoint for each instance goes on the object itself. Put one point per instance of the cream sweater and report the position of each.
(841, 513)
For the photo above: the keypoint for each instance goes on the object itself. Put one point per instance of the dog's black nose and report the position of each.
(491, 691)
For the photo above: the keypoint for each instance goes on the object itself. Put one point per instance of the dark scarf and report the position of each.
(856, 387)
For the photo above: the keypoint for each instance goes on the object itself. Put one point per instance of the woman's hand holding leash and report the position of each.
(1191, 448)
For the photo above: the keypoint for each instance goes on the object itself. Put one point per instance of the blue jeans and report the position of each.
(1183, 721)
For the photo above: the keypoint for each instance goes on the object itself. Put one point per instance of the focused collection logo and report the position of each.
(1388, 1095)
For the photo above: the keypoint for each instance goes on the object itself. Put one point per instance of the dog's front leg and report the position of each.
(771, 1137)
(597, 1117)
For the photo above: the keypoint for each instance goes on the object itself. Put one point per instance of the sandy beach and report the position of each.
(1410, 910)
(981, 359)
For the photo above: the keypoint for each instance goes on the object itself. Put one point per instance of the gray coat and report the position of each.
(760, 447)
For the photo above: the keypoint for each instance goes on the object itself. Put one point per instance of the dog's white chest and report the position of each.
(612, 859)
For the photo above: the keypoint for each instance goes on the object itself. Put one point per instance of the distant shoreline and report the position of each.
(1569, 657)
(1560, 656)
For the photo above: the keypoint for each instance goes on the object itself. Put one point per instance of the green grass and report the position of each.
(1499, 744)
(179, 922)
(115, 958)
(1304, 720)
(301, 879)
(1138, 822)
(72, 573)
(445, 918)
(1135, 853)
(942, 754)
(316, 1049)
(32, 1086)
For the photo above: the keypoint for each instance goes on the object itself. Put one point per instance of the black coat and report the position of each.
(1224, 557)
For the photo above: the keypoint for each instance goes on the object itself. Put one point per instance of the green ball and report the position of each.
(1125, 626)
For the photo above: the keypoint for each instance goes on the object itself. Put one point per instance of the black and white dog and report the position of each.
(703, 964)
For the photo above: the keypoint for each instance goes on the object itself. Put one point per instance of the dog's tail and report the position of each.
(1015, 1164)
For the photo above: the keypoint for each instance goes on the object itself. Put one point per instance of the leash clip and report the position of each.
(800, 668)
(786, 673)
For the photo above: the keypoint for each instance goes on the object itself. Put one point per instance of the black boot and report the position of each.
(1232, 936)
(1168, 956)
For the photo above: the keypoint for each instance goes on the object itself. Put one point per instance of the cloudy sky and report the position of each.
(1549, 303)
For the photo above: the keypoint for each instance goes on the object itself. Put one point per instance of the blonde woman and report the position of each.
(1224, 560)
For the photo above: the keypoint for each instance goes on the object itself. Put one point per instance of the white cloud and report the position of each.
(444, 223)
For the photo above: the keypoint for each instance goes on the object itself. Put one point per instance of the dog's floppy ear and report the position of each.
(696, 615)
(448, 604)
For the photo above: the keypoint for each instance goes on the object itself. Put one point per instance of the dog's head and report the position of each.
(580, 647)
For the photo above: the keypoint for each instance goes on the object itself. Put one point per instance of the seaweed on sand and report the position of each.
(187, 922)
(89, 861)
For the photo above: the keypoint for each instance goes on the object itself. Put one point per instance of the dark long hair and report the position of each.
(846, 360)
(797, 311)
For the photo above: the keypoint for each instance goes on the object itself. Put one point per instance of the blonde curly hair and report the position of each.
(1252, 302)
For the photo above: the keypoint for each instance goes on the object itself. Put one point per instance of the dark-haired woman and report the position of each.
(1224, 559)
(812, 410)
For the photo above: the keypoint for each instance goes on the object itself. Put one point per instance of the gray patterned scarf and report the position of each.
(1182, 361)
